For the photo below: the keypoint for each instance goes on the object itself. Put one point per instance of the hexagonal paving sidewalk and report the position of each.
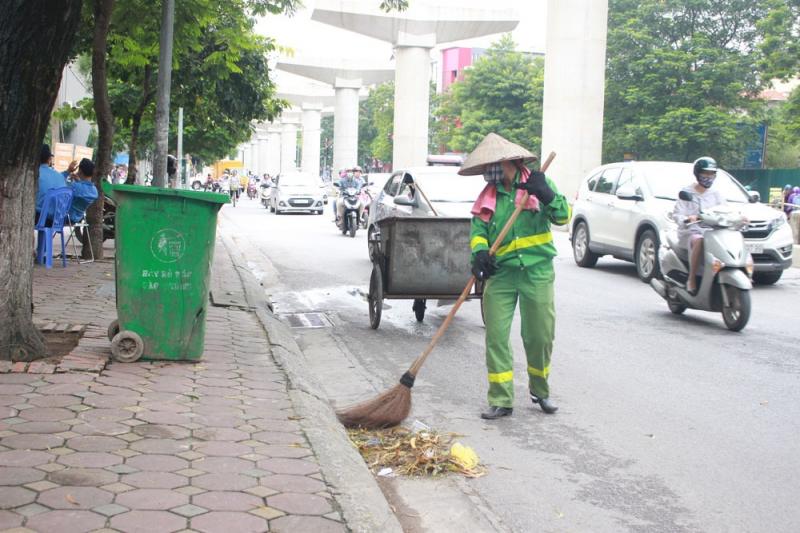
(157, 447)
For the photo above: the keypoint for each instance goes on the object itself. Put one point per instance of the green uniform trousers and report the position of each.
(537, 312)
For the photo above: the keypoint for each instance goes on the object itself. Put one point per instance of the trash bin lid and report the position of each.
(203, 196)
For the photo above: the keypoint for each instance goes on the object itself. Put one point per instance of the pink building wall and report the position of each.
(454, 61)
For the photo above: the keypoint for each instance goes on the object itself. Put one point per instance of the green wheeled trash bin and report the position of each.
(164, 249)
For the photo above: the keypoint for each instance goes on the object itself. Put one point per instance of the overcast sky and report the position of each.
(307, 37)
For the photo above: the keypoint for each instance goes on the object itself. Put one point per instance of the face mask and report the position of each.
(706, 181)
(493, 173)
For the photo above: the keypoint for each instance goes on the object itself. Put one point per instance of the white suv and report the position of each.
(622, 210)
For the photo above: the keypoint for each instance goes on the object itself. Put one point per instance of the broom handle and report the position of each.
(465, 293)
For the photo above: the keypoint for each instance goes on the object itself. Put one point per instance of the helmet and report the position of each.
(357, 169)
(704, 164)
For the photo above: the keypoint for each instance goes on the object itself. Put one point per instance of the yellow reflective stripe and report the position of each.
(539, 373)
(565, 220)
(477, 241)
(525, 242)
(501, 377)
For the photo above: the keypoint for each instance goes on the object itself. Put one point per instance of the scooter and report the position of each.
(366, 199)
(726, 269)
(352, 210)
(266, 193)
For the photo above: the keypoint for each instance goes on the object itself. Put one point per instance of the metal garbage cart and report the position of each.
(420, 259)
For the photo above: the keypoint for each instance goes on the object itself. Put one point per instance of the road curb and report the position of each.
(364, 507)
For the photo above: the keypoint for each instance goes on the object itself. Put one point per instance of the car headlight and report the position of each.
(777, 223)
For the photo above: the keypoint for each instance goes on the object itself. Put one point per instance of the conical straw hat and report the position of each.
(493, 149)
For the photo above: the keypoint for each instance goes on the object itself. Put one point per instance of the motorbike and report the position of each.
(251, 190)
(353, 206)
(266, 193)
(366, 200)
(725, 272)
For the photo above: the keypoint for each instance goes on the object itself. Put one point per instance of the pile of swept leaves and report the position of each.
(409, 453)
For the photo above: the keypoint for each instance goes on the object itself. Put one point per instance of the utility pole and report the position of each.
(180, 182)
(162, 98)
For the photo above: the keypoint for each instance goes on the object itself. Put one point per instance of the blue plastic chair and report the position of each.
(51, 222)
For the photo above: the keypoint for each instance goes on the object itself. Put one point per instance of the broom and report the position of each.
(391, 407)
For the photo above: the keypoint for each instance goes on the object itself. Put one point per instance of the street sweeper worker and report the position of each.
(521, 270)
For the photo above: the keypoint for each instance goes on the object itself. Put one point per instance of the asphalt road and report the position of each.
(667, 423)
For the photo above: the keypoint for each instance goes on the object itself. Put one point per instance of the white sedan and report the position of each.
(297, 192)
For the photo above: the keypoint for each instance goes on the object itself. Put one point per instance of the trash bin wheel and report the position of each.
(113, 329)
(127, 347)
(375, 297)
(419, 309)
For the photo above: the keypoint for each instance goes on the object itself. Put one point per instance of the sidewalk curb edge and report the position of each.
(364, 507)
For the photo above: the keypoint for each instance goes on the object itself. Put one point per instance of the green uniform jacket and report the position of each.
(529, 244)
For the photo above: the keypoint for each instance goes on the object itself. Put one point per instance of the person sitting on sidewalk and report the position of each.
(49, 178)
(84, 193)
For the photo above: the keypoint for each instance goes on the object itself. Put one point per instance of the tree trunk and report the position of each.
(133, 145)
(35, 42)
(136, 122)
(105, 123)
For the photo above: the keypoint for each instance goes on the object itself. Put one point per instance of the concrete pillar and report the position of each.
(412, 99)
(345, 124)
(262, 152)
(253, 166)
(312, 134)
(273, 150)
(248, 155)
(288, 146)
(574, 85)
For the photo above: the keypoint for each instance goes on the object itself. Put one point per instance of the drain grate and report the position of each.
(307, 320)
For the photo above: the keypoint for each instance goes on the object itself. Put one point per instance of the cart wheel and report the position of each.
(127, 347)
(113, 329)
(375, 297)
(419, 309)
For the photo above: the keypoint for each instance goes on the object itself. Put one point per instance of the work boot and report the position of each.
(496, 412)
(545, 403)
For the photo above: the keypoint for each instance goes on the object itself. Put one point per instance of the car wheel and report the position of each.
(646, 256)
(584, 257)
(767, 278)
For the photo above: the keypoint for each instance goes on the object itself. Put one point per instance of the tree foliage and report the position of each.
(501, 93)
(783, 139)
(376, 124)
(220, 73)
(781, 39)
(681, 77)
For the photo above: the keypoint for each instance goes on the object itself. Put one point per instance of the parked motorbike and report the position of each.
(726, 269)
(351, 198)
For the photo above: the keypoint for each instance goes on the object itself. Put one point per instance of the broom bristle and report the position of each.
(385, 410)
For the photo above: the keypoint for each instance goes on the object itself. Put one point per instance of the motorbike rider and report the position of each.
(351, 180)
(687, 213)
